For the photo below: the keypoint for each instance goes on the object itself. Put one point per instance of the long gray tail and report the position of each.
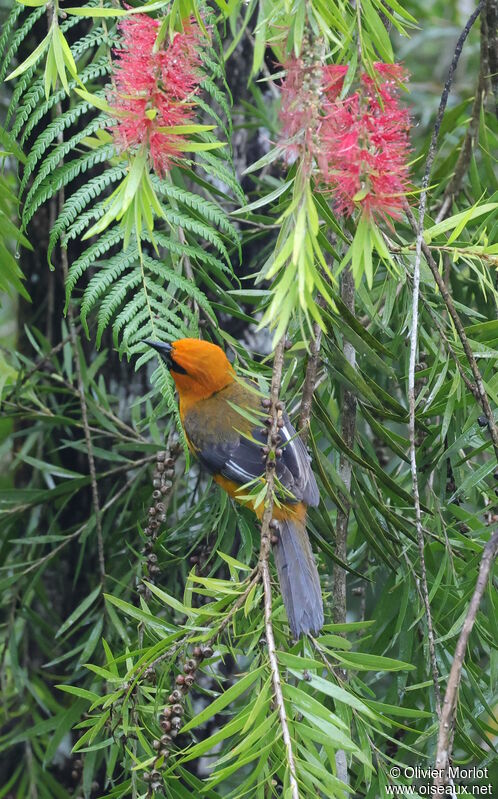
(299, 580)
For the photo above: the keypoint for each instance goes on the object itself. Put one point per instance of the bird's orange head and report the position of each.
(198, 368)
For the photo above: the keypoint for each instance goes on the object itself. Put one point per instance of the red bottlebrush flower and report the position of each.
(360, 143)
(152, 89)
(365, 147)
(301, 98)
(333, 80)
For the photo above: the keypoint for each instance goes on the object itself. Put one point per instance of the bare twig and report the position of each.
(81, 392)
(448, 713)
(348, 425)
(86, 429)
(491, 28)
(480, 392)
(414, 345)
(309, 383)
(471, 133)
(265, 569)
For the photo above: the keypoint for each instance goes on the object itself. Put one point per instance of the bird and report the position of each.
(228, 442)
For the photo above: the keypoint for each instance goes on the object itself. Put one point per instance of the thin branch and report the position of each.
(471, 133)
(447, 720)
(480, 392)
(414, 345)
(491, 28)
(81, 392)
(264, 564)
(86, 429)
(348, 426)
(309, 383)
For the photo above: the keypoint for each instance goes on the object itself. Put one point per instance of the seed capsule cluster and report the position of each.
(162, 482)
(267, 456)
(170, 717)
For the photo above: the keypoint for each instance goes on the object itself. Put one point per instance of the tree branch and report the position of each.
(447, 720)
(264, 562)
(309, 383)
(471, 133)
(480, 391)
(414, 345)
(348, 426)
(81, 391)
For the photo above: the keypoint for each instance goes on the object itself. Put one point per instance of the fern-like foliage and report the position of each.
(156, 286)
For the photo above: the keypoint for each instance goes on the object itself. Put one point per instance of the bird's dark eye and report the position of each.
(175, 367)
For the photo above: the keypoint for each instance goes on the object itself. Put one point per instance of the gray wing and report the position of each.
(241, 460)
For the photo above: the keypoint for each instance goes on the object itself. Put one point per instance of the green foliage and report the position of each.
(100, 614)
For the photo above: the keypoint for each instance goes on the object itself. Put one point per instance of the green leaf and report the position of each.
(33, 58)
(223, 700)
(79, 611)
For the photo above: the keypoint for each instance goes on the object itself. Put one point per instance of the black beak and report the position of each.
(163, 348)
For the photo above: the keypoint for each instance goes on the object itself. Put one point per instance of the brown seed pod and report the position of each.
(152, 558)
(278, 453)
(176, 723)
(166, 712)
(160, 507)
(156, 785)
(141, 588)
(275, 539)
(177, 709)
(165, 725)
(274, 525)
(180, 679)
(154, 569)
(161, 456)
(197, 652)
(165, 740)
(280, 423)
(175, 696)
(207, 651)
(156, 482)
(156, 494)
(279, 405)
(156, 744)
(192, 663)
(153, 525)
(189, 681)
(265, 402)
(164, 753)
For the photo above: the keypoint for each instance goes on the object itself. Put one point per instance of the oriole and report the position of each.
(229, 446)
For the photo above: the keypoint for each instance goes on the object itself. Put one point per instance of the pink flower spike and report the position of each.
(365, 146)
(153, 89)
